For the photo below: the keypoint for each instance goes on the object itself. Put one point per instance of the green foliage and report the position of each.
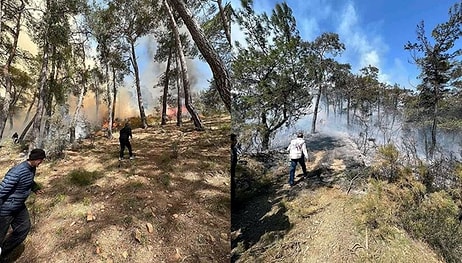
(251, 181)
(439, 65)
(81, 177)
(210, 102)
(378, 212)
(270, 77)
(407, 203)
(435, 221)
(58, 199)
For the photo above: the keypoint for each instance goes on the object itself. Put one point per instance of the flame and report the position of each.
(115, 124)
(171, 112)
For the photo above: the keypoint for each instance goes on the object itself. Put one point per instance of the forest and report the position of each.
(68, 84)
(88, 50)
(408, 137)
(73, 73)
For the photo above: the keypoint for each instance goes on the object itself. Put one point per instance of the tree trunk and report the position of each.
(138, 86)
(114, 94)
(6, 69)
(110, 105)
(219, 70)
(348, 111)
(97, 102)
(179, 103)
(433, 131)
(78, 106)
(165, 93)
(54, 69)
(226, 23)
(264, 132)
(76, 113)
(42, 95)
(184, 71)
(29, 110)
(26, 129)
(316, 108)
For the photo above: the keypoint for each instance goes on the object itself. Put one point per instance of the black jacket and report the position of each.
(125, 133)
(15, 188)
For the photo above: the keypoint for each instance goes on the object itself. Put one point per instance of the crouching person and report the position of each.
(14, 190)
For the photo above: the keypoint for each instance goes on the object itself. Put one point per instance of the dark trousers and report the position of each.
(20, 223)
(293, 165)
(125, 143)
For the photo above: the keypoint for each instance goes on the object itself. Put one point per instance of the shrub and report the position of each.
(435, 221)
(378, 211)
(431, 217)
(387, 165)
(82, 177)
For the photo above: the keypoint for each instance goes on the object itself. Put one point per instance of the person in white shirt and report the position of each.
(297, 153)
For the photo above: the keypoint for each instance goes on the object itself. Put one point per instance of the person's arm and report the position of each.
(36, 188)
(305, 152)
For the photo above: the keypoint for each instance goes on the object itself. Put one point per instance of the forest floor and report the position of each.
(317, 220)
(170, 204)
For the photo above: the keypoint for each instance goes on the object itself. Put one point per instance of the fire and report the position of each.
(105, 125)
(171, 112)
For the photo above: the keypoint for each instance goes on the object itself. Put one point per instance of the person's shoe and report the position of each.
(132, 157)
(121, 158)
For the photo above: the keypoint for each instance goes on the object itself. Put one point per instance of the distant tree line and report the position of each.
(279, 78)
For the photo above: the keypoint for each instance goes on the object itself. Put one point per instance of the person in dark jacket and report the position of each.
(14, 190)
(15, 137)
(124, 139)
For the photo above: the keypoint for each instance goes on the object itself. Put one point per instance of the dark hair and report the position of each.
(300, 135)
(37, 154)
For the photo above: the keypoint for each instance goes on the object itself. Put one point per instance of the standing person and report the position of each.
(14, 190)
(124, 139)
(15, 137)
(297, 153)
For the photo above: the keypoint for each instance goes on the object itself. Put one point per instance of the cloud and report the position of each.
(363, 47)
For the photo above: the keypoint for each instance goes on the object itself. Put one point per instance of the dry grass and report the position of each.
(171, 204)
(315, 221)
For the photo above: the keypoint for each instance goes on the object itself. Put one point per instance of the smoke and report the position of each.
(374, 131)
(127, 99)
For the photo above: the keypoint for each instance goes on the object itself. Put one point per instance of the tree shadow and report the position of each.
(255, 219)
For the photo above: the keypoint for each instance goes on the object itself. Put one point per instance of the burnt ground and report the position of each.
(314, 221)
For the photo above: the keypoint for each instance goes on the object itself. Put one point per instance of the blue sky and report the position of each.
(374, 32)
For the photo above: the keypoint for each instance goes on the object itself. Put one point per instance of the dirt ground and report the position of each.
(316, 220)
(170, 204)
